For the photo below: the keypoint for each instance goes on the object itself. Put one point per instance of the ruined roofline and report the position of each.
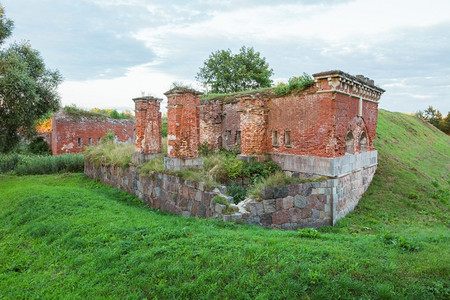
(182, 90)
(147, 98)
(236, 96)
(358, 78)
(87, 115)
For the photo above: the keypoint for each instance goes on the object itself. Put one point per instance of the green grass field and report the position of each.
(67, 237)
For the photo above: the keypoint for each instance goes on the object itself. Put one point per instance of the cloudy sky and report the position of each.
(110, 51)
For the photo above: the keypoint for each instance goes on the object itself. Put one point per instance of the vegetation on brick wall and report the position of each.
(74, 111)
(295, 84)
(109, 153)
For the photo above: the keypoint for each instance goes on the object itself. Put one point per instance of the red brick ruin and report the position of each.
(334, 117)
(148, 128)
(183, 129)
(71, 133)
(326, 130)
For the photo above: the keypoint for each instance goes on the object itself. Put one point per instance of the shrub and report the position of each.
(39, 146)
(33, 165)
(205, 150)
(8, 162)
(295, 84)
(237, 192)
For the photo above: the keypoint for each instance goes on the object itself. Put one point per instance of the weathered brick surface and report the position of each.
(148, 125)
(314, 122)
(183, 119)
(71, 133)
(253, 125)
(220, 124)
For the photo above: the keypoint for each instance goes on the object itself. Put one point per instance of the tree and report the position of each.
(27, 88)
(434, 117)
(225, 72)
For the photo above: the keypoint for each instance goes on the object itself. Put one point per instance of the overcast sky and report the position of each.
(110, 51)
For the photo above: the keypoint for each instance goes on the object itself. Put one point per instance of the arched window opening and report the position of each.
(363, 142)
(349, 145)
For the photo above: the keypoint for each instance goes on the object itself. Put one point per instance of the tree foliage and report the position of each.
(27, 88)
(434, 117)
(225, 72)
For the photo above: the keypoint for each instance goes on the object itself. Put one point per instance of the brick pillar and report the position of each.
(148, 129)
(183, 129)
(253, 126)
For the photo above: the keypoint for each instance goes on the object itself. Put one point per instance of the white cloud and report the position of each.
(366, 20)
(117, 92)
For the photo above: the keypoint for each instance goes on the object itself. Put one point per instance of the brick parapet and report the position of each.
(355, 86)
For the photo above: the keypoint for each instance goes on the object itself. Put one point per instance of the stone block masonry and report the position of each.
(313, 204)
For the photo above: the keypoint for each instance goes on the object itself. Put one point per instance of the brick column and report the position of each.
(253, 126)
(183, 129)
(148, 129)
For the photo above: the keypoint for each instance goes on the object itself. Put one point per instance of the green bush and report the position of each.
(8, 162)
(39, 146)
(296, 84)
(238, 193)
(39, 164)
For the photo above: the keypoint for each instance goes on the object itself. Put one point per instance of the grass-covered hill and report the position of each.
(64, 236)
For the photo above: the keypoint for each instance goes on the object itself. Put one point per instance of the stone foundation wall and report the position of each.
(313, 204)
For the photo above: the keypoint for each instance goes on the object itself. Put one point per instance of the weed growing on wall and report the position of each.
(295, 84)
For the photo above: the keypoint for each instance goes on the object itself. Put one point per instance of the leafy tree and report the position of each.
(434, 117)
(225, 72)
(27, 88)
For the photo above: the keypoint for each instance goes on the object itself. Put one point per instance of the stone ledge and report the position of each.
(140, 158)
(175, 164)
(332, 167)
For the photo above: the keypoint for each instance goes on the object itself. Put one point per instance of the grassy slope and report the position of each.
(64, 236)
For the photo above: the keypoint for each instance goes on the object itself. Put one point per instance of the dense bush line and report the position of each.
(41, 164)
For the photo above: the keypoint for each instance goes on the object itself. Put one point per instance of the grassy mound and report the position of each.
(64, 236)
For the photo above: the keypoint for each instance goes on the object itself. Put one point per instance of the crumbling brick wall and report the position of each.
(313, 122)
(148, 125)
(220, 124)
(71, 133)
(183, 123)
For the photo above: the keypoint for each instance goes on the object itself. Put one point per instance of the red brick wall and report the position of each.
(253, 125)
(220, 124)
(140, 116)
(66, 131)
(211, 120)
(148, 125)
(183, 123)
(310, 119)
